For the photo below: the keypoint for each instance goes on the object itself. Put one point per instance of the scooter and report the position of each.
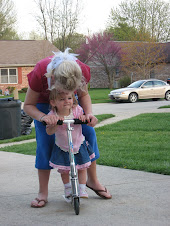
(75, 199)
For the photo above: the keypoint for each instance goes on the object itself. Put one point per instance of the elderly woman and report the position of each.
(36, 105)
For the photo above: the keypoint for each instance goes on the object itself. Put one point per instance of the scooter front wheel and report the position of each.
(76, 203)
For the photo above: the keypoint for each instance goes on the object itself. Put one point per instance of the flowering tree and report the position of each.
(101, 51)
(143, 58)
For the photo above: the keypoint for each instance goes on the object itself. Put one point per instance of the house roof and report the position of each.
(24, 52)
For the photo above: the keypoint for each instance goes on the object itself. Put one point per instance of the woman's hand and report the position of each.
(82, 118)
(92, 120)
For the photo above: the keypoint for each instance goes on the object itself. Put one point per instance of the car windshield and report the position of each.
(136, 84)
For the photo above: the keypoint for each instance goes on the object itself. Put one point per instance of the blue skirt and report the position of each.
(60, 159)
(45, 142)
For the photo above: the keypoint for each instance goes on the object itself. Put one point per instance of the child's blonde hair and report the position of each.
(54, 94)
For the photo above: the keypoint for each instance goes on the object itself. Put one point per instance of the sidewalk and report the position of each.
(139, 198)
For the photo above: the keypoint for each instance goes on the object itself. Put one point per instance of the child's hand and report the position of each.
(51, 127)
(60, 118)
(50, 119)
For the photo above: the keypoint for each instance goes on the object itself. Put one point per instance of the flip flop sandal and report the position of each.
(97, 192)
(39, 200)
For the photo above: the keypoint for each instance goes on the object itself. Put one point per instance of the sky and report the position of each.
(95, 14)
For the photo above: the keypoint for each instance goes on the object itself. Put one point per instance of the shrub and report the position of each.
(124, 82)
(23, 90)
(11, 89)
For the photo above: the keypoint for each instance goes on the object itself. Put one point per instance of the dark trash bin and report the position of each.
(168, 81)
(10, 118)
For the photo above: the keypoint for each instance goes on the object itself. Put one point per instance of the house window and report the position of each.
(9, 75)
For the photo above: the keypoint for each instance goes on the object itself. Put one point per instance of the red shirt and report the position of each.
(38, 81)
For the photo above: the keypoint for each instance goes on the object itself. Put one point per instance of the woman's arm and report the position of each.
(30, 102)
(31, 109)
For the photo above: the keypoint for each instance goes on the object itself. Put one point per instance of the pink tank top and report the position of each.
(61, 139)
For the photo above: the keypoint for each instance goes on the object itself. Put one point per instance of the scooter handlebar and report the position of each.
(72, 121)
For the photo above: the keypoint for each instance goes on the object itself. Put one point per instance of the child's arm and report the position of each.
(50, 130)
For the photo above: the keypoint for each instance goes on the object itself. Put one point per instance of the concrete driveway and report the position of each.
(139, 198)
(128, 110)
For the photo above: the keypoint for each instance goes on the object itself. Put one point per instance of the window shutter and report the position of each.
(19, 75)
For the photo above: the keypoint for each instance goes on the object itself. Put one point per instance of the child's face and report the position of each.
(64, 101)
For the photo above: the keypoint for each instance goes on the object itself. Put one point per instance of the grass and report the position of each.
(166, 106)
(97, 96)
(21, 96)
(32, 135)
(100, 95)
(20, 138)
(140, 143)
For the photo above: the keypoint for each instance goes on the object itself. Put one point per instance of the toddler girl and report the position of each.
(65, 106)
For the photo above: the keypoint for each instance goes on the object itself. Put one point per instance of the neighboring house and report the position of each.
(100, 80)
(18, 58)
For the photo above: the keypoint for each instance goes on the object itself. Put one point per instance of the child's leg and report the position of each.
(65, 178)
(67, 186)
(82, 174)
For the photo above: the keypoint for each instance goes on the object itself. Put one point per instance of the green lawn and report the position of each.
(97, 96)
(140, 143)
(100, 95)
(32, 135)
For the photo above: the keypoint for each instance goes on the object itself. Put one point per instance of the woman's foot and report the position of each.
(39, 202)
(99, 189)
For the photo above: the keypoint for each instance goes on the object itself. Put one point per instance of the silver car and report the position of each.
(142, 89)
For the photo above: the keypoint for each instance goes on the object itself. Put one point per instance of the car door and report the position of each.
(146, 90)
(159, 89)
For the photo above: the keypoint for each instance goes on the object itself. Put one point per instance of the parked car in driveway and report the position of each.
(142, 89)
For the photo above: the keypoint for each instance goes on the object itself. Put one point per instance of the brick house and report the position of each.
(18, 58)
(99, 78)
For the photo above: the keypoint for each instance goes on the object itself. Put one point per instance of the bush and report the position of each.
(23, 90)
(11, 89)
(124, 82)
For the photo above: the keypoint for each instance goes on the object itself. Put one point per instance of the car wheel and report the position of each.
(133, 97)
(167, 95)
